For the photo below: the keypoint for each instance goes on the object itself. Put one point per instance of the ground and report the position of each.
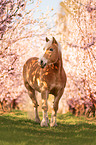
(17, 129)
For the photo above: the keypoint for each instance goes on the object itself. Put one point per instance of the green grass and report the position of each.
(16, 129)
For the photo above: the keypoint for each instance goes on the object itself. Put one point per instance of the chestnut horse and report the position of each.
(47, 76)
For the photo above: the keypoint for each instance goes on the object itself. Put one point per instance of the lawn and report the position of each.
(17, 129)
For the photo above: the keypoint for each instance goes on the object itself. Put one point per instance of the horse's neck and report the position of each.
(59, 63)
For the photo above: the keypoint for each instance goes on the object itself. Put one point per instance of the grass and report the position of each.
(17, 129)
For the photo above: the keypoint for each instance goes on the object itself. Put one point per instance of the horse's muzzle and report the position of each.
(42, 64)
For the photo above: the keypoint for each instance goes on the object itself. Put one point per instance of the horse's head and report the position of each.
(51, 52)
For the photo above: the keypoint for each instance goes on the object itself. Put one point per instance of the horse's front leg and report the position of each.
(45, 120)
(55, 108)
(54, 112)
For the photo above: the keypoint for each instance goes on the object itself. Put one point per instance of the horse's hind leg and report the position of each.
(31, 93)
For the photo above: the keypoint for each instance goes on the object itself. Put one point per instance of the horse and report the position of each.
(47, 76)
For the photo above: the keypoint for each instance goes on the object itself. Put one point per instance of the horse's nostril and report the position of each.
(42, 64)
(41, 61)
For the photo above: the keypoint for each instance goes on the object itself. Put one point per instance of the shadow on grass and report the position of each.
(26, 132)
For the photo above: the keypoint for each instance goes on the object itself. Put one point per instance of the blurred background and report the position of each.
(24, 24)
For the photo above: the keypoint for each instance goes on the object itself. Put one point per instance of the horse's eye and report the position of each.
(51, 49)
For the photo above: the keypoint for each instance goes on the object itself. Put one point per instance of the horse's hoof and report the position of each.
(44, 123)
(52, 124)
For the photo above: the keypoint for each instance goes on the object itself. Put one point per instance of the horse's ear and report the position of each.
(47, 39)
(54, 41)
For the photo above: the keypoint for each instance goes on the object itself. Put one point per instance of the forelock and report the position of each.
(49, 43)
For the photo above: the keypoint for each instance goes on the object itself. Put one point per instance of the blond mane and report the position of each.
(49, 43)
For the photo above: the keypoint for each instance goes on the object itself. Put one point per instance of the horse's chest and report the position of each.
(37, 81)
(43, 81)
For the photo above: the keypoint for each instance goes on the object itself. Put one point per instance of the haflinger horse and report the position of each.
(47, 76)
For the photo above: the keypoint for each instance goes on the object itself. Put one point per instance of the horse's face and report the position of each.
(51, 53)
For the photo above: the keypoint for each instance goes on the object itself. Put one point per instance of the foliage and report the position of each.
(19, 31)
(12, 24)
(15, 129)
(22, 36)
(76, 25)
(8, 10)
